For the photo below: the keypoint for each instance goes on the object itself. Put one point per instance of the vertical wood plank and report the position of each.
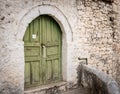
(35, 72)
(48, 30)
(36, 29)
(27, 73)
(44, 71)
(56, 69)
(49, 71)
(31, 31)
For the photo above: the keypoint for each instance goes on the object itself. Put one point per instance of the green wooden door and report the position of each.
(42, 46)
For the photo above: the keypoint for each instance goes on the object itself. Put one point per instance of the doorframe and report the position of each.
(28, 15)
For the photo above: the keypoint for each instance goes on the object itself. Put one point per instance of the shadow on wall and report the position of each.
(96, 81)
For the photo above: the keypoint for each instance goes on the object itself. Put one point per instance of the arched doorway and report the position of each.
(43, 52)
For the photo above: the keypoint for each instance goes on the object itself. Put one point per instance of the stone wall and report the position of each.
(95, 30)
(116, 42)
(118, 67)
(14, 19)
(96, 81)
(97, 33)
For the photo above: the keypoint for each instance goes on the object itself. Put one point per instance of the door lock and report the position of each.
(42, 44)
(43, 50)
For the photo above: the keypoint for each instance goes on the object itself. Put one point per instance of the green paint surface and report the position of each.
(43, 41)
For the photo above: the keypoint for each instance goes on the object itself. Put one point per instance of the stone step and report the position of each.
(79, 90)
(54, 88)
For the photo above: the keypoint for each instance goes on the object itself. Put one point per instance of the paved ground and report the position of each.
(77, 91)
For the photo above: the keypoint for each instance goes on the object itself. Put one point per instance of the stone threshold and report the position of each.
(59, 86)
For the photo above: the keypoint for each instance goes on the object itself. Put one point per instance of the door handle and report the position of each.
(42, 44)
(43, 50)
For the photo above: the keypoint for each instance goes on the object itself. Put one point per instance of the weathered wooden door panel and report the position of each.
(35, 72)
(56, 69)
(42, 52)
(27, 73)
(49, 71)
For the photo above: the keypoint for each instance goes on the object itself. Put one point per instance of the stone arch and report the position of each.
(28, 15)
